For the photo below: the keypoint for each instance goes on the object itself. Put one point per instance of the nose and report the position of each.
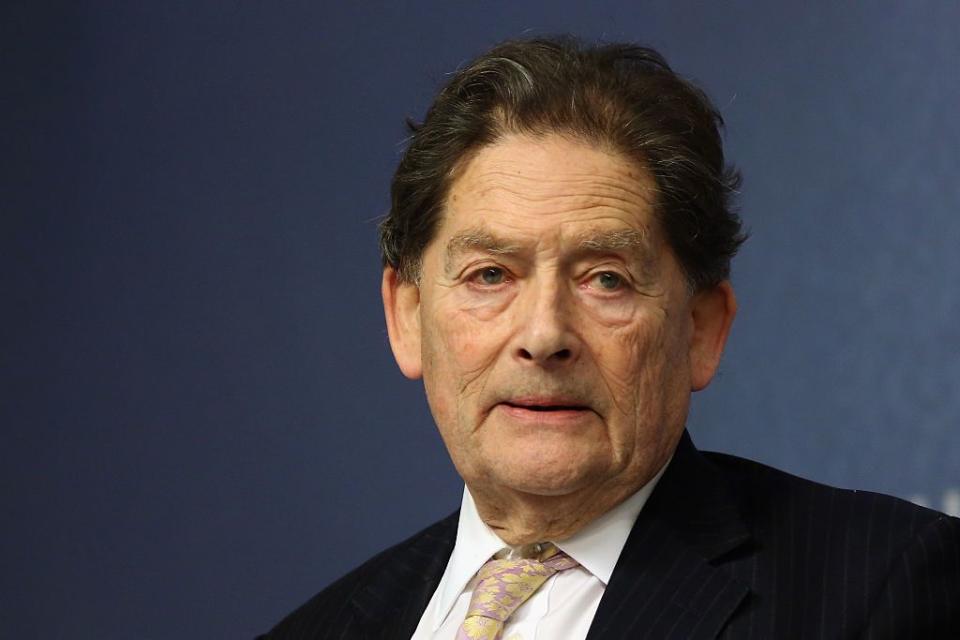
(546, 337)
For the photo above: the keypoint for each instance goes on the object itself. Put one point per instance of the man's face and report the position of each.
(554, 330)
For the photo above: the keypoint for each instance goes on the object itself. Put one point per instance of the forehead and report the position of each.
(548, 184)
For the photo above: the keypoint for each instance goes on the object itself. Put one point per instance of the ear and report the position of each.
(401, 305)
(712, 312)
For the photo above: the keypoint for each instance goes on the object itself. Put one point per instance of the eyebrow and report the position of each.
(477, 239)
(632, 241)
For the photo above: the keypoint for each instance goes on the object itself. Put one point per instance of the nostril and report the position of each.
(561, 355)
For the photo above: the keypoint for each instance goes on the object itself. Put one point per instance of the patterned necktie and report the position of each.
(503, 586)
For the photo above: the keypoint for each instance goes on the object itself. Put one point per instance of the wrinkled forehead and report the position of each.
(547, 183)
(539, 164)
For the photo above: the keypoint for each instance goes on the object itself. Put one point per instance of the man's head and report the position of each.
(556, 263)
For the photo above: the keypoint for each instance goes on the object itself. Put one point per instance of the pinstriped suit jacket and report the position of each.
(725, 548)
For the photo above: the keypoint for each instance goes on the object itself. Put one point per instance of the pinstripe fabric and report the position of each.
(725, 548)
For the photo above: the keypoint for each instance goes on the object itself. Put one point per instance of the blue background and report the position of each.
(201, 421)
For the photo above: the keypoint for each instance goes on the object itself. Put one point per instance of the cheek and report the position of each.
(632, 354)
(458, 355)
(637, 364)
(465, 346)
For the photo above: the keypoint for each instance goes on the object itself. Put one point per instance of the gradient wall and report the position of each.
(201, 421)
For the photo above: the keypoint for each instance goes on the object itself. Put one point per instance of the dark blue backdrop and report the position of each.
(201, 421)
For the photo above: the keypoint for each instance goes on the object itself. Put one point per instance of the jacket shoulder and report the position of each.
(332, 612)
(861, 563)
(866, 563)
(770, 495)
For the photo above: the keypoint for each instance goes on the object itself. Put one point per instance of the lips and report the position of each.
(550, 413)
(546, 406)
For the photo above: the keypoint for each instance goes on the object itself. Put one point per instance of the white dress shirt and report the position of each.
(564, 606)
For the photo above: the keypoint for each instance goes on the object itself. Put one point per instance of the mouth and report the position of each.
(544, 411)
(546, 406)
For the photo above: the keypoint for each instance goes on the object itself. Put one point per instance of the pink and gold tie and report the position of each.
(503, 586)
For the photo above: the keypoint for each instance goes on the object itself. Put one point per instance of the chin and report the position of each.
(548, 479)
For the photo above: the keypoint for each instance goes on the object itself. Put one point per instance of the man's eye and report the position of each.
(490, 276)
(608, 281)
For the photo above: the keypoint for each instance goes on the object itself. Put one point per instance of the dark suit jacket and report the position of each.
(724, 548)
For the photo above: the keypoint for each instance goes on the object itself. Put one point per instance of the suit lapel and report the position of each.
(669, 581)
(392, 601)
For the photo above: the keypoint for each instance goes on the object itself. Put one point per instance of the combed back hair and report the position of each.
(619, 97)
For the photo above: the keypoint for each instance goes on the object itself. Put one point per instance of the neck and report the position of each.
(520, 518)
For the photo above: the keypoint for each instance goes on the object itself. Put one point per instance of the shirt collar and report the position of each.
(596, 547)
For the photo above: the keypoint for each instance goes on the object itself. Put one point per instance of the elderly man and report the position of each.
(556, 271)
